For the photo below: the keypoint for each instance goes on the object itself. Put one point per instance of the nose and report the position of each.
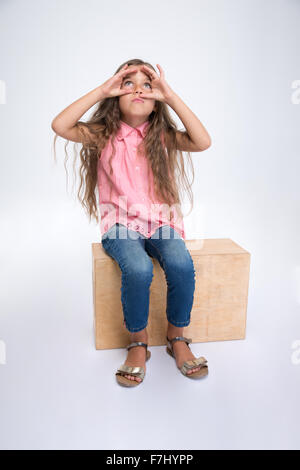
(138, 89)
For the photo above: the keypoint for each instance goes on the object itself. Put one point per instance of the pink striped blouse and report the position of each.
(129, 202)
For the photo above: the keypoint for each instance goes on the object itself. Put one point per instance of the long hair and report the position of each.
(165, 160)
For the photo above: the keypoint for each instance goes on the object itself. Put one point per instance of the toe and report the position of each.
(132, 377)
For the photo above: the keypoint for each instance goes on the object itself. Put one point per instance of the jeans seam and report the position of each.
(179, 323)
(136, 329)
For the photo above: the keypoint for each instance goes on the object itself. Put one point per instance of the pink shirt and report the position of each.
(129, 203)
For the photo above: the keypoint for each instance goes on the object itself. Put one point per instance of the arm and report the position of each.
(65, 124)
(196, 137)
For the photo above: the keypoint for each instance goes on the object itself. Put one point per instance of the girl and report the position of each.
(130, 151)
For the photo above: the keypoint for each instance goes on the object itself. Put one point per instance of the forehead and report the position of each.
(137, 73)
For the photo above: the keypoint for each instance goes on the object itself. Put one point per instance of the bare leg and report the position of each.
(181, 350)
(137, 355)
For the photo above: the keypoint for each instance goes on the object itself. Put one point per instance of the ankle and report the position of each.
(174, 331)
(140, 336)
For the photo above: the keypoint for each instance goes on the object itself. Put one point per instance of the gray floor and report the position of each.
(58, 392)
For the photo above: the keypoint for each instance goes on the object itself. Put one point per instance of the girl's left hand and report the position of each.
(160, 91)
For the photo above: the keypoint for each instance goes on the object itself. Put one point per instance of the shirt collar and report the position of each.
(125, 130)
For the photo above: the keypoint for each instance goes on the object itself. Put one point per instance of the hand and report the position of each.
(112, 86)
(160, 91)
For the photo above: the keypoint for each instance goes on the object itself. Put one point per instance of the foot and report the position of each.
(183, 353)
(136, 357)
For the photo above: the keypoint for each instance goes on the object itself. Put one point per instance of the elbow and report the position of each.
(56, 125)
(53, 126)
(206, 144)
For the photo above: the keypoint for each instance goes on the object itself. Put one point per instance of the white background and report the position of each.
(233, 63)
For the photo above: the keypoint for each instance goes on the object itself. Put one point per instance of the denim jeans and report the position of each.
(133, 251)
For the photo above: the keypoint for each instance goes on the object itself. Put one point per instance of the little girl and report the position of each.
(130, 151)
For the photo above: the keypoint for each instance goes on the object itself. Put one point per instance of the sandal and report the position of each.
(200, 361)
(137, 371)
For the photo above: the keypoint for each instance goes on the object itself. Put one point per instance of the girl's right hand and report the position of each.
(112, 86)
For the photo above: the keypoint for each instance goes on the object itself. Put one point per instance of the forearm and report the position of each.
(72, 114)
(195, 129)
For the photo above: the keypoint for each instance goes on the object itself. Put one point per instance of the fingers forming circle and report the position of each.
(160, 70)
(151, 72)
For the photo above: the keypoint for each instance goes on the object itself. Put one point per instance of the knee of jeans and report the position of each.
(189, 266)
(184, 267)
(188, 272)
(140, 271)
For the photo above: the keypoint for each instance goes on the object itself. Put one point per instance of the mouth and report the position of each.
(138, 100)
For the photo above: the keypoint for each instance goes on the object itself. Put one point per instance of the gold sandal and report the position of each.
(199, 361)
(137, 371)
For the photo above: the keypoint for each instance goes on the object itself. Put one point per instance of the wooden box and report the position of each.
(220, 299)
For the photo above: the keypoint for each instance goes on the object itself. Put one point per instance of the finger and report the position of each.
(148, 96)
(125, 67)
(124, 92)
(129, 69)
(162, 74)
(151, 72)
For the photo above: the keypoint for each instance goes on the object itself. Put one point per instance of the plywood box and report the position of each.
(220, 299)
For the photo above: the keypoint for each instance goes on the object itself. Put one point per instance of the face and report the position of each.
(136, 82)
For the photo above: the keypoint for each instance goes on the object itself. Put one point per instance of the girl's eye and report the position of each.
(129, 81)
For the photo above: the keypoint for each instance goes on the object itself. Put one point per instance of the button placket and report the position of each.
(130, 143)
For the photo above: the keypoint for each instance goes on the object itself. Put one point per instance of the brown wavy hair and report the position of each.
(166, 161)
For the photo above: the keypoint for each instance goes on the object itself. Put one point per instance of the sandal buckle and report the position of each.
(137, 343)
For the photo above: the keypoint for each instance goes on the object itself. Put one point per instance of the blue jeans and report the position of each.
(133, 251)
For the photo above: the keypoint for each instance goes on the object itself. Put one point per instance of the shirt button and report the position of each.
(137, 167)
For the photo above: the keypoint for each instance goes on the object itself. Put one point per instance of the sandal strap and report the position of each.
(178, 338)
(200, 361)
(137, 371)
(137, 343)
